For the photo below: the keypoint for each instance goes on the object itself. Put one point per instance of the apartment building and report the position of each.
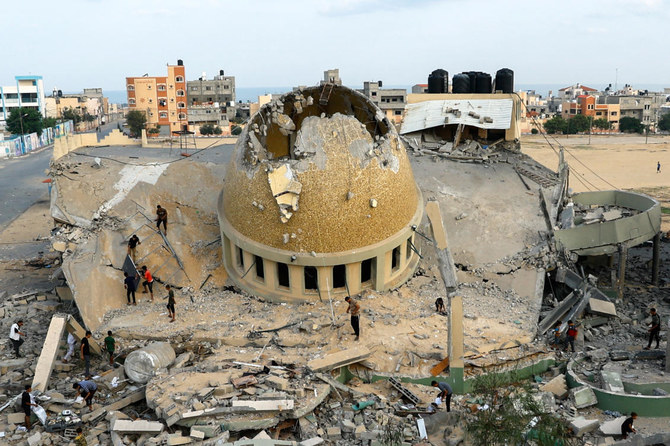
(28, 92)
(212, 97)
(90, 102)
(590, 106)
(163, 98)
(391, 101)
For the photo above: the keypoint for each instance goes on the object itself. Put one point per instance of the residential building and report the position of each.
(28, 92)
(90, 102)
(419, 88)
(592, 106)
(332, 77)
(572, 92)
(162, 98)
(199, 115)
(392, 101)
(218, 92)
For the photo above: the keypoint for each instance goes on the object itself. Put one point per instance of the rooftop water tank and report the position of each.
(505, 80)
(438, 81)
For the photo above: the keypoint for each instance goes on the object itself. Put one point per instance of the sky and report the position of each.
(75, 44)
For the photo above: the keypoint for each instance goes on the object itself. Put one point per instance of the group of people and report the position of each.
(570, 335)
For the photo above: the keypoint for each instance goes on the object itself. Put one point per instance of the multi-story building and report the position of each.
(212, 97)
(28, 92)
(419, 88)
(591, 106)
(91, 102)
(392, 101)
(163, 99)
(572, 92)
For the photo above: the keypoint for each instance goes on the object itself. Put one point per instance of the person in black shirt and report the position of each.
(86, 353)
(132, 246)
(654, 329)
(171, 302)
(129, 285)
(26, 402)
(627, 426)
(161, 217)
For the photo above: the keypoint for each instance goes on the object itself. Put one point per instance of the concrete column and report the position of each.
(456, 350)
(270, 269)
(656, 259)
(248, 261)
(623, 255)
(383, 262)
(229, 259)
(354, 278)
(295, 273)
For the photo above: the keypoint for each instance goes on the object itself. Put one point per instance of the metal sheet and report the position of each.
(428, 114)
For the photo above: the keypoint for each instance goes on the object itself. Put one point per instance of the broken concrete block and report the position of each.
(45, 363)
(557, 386)
(313, 442)
(277, 382)
(581, 426)
(59, 246)
(208, 430)
(612, 427)
(339, 359)
(612, 381)
(334, 433)
(583, 397)
(619, 355)
(197, 434)
(262, 435)
(16, 418)
(348, 426)
(177, 439)
(35, 439)
(137, 427)
(359, 431)
(261, 406)
(603, 307)
(244, 381)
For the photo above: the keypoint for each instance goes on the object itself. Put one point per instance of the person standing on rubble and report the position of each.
(355, 309)
(161, 217)
(556, 338)
(148, 282)
(110, 345)
(85, 351)
(15, 336)
(71, 342)
(129, 284)
(132, 246)
(627, 426)
(445, 392)
(570, 336)
(26, 403)
(86, 389)
(654, 329)
(171, 302)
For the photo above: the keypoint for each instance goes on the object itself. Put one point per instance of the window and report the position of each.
(614, 113)
(163, 115)
(182, 116)
(131, 101)
(240, 257)
(194, 88)
(131, 87)
(311, 281)
(339, 276)
(179, 79)
(398, 112)
(148, 87)
(260, 271)
(374, 93)
(180, 92)
(162, 87)
(366, 270)
(181, 105)
(283, 275)
(208, 88)
(395, 258)
(162, 102)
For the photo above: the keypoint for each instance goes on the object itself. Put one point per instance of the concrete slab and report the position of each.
(79, 332)
(137, 427)
(605, 308)
(177, 439)
(45, 363)
(120, 404)
(581, 426)
(16, 418)
(313, 442)
(612, 381)
(583, 397)
(264, 406)
(558, 386)
(612, 427)
(277, 382)
(339, 359)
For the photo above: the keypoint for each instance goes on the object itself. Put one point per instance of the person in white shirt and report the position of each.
(15, 336)
(71, 343)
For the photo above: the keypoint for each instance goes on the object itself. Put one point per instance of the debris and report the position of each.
(137, 426)
(45, 363)
(558, 386)
(598, 306)
(581, 426)
(339, 359)
(583, 397)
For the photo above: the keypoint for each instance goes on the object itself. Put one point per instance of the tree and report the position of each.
(236, 130)
(664, 122)
(578, 123)
(217, 130)
(154, 130)
(510, 414)
(629, 124)
(70, 114)
(136, 121)
(23, 120)
(207, 129)
(49, 122)
(555, 125)
(602, 124)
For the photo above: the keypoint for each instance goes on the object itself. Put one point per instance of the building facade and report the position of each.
(163, 99)
(391, 101)
(28, 92)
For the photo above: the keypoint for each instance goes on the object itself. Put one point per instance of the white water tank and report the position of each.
(142, 365)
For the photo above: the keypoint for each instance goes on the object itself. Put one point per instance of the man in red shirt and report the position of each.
(148, 282)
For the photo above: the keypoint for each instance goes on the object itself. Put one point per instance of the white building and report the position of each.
(28, 92)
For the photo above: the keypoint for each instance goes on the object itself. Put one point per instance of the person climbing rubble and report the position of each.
(654, 329)
(555, 341)
(354, 308)
(571, 334)
(627, 426)
(85, 352)
(110, 346)
(445, 393)
(71, 342)
(15, 337)
(148, 283)
(171, 302)
(129, 284)
(161, 217)
(132, 246)
(86, 389)
(26, 403)
(439, 306)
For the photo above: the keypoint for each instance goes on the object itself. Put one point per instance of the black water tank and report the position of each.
(483, 83)
(180, 62)
(460, 83)
(505, 80)
(220, 72)
(438, 81)
(472, 75)
(380, 84)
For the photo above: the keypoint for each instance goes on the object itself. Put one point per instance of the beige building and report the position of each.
(319, 200)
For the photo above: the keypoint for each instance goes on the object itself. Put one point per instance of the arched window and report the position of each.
(179, 79)
(131, 101)
(181, 105)
(180, 92)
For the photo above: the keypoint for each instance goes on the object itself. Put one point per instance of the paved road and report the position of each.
(21, 183)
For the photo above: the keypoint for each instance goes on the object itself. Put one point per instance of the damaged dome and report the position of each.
(319, 170)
